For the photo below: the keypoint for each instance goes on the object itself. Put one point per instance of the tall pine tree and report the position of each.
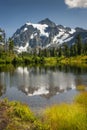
(79, 44)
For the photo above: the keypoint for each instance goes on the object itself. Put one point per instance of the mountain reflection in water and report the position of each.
(38, 81)
(41, 86)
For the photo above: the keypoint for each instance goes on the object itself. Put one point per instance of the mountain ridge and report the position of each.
(46, 33)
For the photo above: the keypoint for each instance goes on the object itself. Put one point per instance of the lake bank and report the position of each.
(15, 116)
(26, 59)
(72, 61)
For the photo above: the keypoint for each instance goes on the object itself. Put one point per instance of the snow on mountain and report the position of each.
(45, 34)
(68, 39)
(21, 48)
(33, 35)
(41, 28)
(63, 36)
(25, 29)
(72, 31)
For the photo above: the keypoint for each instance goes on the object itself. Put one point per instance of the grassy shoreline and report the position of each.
(17, 116)
(46, 61)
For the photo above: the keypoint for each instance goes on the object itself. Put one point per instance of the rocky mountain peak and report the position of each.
(46, 34)
(48, 22)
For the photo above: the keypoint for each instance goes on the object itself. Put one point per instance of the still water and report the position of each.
(40, 87)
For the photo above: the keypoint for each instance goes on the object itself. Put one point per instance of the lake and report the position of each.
(40, 87)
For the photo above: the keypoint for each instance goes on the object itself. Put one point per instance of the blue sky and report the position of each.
(15, 13)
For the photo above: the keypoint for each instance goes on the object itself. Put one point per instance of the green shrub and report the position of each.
(17, 60)
(27, 60)
(22, 111)
(2, 61)
(8, 60)
(18, 116)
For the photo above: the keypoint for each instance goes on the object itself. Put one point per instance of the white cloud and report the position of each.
(76, 3)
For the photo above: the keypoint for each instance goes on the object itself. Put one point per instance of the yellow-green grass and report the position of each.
(7, 58)
(66, 117)
(50, 61)
(82, 99)
(79, 61)
(74, 60)
(81, 87)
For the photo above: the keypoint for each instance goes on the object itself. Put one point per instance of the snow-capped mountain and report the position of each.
(46, 34)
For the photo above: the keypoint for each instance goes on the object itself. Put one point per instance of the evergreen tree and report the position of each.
(66, 50)
(71, 50)
(79, 44)
(75, 52)
(51, 52)
(1, 39)
(85, 48)
(35, 52)
(60, 52)
(40, 52)
(11, 44)
(45, 52)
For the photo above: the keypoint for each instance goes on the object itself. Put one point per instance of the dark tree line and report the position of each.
(7, 45)
(78, 48)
